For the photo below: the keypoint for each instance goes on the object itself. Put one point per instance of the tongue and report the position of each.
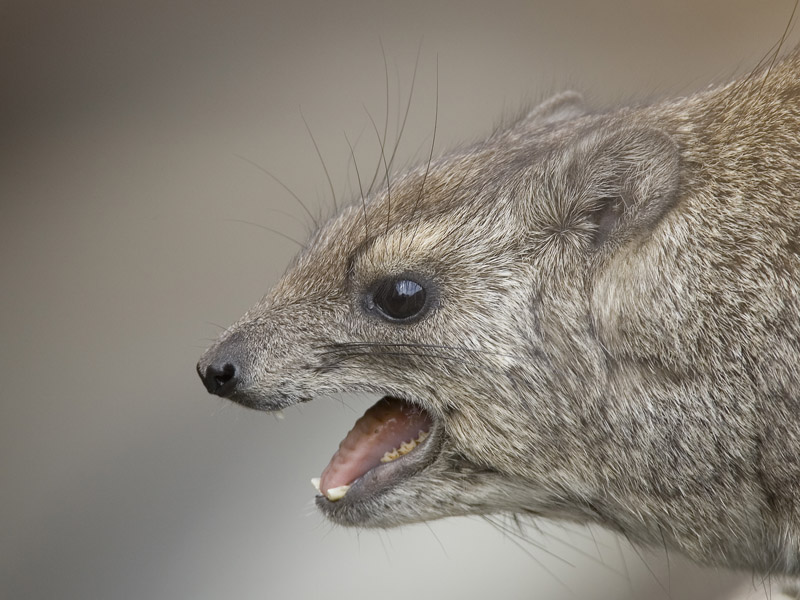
(385, 425)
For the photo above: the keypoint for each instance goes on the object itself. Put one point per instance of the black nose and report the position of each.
(220, 378)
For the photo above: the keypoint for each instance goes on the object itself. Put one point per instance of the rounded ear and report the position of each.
(624, 180)
(561, 107)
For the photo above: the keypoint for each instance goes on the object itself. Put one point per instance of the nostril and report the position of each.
(221, 379)
(228, 373)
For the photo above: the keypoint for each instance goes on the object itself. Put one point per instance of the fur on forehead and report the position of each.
(401, 248)
(436, 241)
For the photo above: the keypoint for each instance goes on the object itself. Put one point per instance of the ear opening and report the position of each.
(606, 216)
(626, 180)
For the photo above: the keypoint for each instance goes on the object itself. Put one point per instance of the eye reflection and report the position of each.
(399, 299)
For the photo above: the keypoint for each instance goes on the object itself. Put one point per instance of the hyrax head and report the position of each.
(460, 295)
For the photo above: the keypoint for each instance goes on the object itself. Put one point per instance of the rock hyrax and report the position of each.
(592, 316)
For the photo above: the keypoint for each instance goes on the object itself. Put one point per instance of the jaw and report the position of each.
(431, 481)
(368, 483)
(387, 494)
(448, 486)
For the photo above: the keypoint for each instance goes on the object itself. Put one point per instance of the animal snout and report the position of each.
(220, 378)
(222, 369)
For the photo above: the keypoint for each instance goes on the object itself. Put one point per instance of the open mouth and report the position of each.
(392, 441)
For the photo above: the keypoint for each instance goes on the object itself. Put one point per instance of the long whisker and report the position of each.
(349, 354)
(347, 345)
(352, 158)
(360, 188)
(777, 52)
(647, 566)
(760, 70)
(321, 160)
(628, 577)
(345, 355)
(386, 168)
(507, 529)
(408, 107)
(430, 155)
(583, 553)
(531, 555)
(280, 183)
(520, 534)
(270, 229)
(386, 76)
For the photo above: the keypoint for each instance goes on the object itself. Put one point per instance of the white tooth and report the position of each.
(422, 436)
(390, 456)
(279, 415)
(407, 447)
(337, 493)
(315, 483)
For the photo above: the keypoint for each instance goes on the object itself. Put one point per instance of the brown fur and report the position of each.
(615, 331)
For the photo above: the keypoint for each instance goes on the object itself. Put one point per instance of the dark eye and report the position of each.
(399, 299)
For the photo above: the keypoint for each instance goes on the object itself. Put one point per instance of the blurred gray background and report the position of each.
(132, 141)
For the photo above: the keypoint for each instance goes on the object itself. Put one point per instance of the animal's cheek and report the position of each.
(478, 440)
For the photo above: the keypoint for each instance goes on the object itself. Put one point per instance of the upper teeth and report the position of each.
(404, 448)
